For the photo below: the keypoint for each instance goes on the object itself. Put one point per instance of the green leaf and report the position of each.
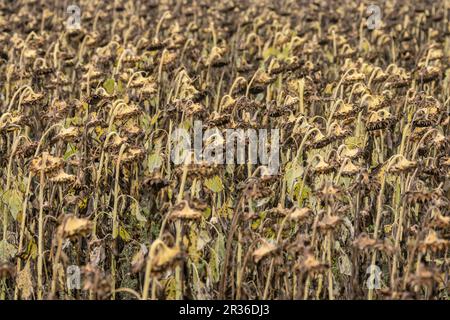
(75, 121)
(207, 213)
(214, 184)
(203, 240)
(271, 52)
(345, 265)
(257, 222)
(353, 142)
(7, 251)
(72, 150)
(328, 89)
(154, 161)
(285, 53)
(136, 209)
(124, 234)
(155, 118)
(186, 125)
(305, 192)
(120, 87)
(171, 288)
(109, 85)
(13, 200)
(217, 255)
(293, 172)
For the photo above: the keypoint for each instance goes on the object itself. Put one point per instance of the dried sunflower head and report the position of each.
(266, 249)
(227, 103)
(216, 58)
(323, 167)
(73, 226)
(403, 165)
(32, 99)
(290, 102)
(68, 134)
(155, 181)
(7, 270)
(62, 177)
(351, 153)
(13, 121)
(353, 77)
(398, 78)
(138, 82)
(132, 154)
(139, 258)
(168, 58)
(336, 131)
(132, 131)
(329, 222)
(350, 169)
(425, 276)
(183, 211)
(344, 110)
(96, 281)
(328, 192)
(200, 169)
(311, 265)
(126, 112)
(363, 241)
(375, 102)
(217, 119)
(441, 221)
(47, 163)
(196, 109)
(148, 90)
(116, 142)
(428, 73)
(163, 257)
(379, 120)
(256, 190)
(299, 214)
(433, 242)
(319, 141)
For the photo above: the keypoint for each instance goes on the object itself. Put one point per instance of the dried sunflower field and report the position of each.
(93, 204)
